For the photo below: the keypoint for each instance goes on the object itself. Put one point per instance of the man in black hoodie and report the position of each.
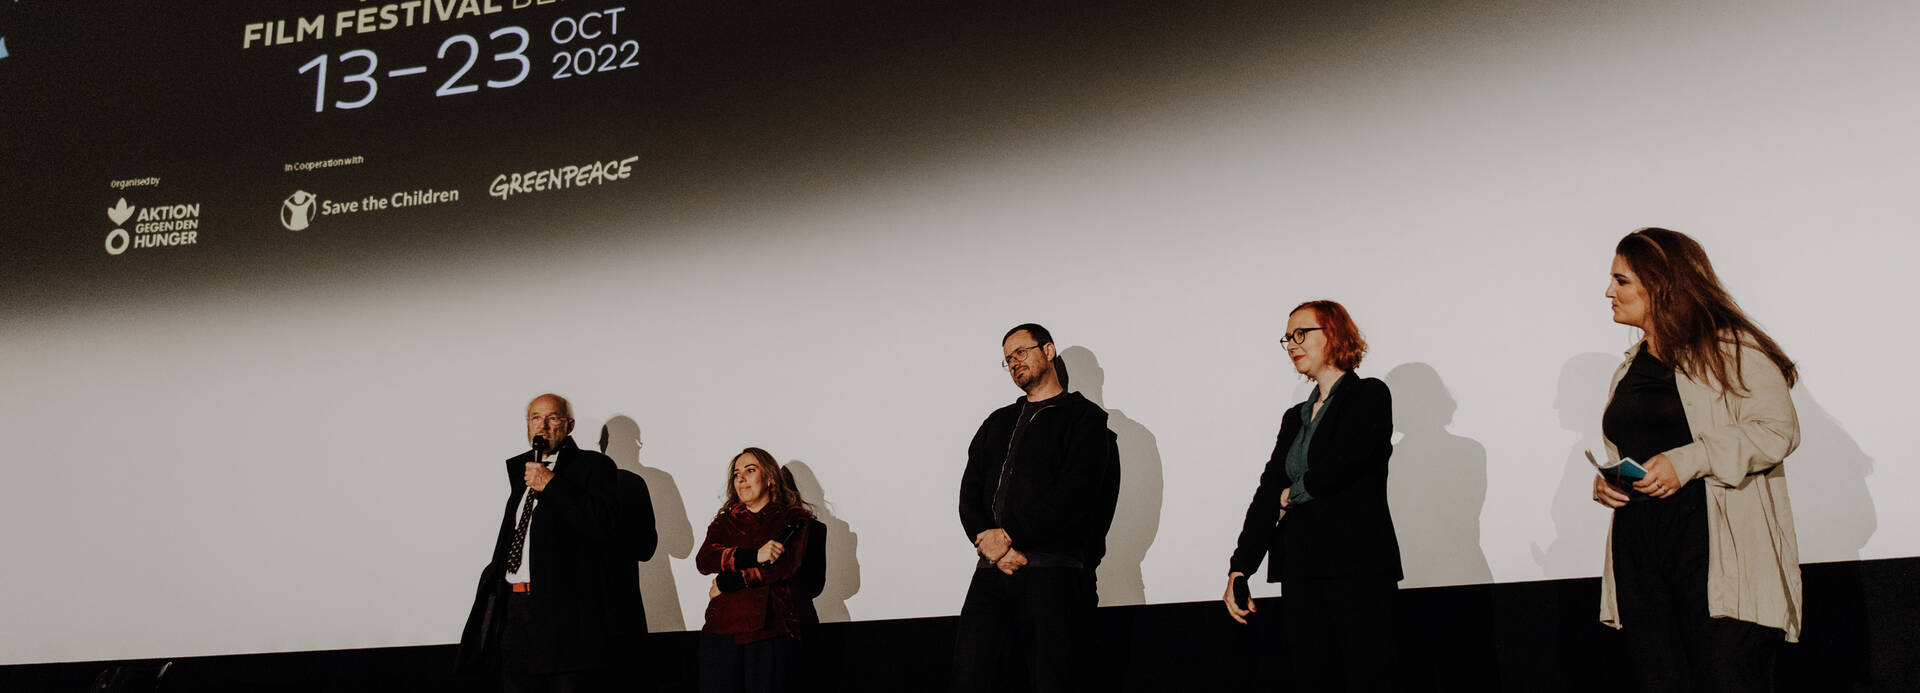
(1036, 500)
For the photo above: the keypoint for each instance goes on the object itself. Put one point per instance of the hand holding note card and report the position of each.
(1622, 474)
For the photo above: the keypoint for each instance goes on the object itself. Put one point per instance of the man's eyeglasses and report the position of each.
(1299, 336)
(1018, 354)
(550, 419)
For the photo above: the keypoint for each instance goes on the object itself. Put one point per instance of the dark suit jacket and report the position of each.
(572, 551)
(1345, 531)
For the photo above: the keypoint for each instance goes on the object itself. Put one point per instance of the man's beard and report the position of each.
(1034, 376)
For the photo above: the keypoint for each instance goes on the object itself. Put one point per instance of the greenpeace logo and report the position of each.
(565, 177)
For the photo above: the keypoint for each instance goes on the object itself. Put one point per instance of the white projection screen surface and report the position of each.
(208, 440)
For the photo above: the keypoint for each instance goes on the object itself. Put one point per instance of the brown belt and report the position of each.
(521, 586)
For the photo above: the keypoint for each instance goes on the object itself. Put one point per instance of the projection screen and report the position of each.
(280, 277)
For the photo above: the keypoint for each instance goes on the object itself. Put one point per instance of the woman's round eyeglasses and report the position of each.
(1299, 336)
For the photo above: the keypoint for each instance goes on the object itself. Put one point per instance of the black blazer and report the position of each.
(1345, 531)
(572, 551)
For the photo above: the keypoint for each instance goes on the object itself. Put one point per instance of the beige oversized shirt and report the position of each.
(1739, 442)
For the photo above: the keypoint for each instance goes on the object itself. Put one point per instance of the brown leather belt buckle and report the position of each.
(522, 587)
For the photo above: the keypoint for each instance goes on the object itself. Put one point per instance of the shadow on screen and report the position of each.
(620, 440)
(1833, 517)
(1560, 620)
(843, 559)
(1437, 486)
(1136, 518)
(1579, 524)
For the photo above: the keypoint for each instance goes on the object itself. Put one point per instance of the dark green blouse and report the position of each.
(1297, 452)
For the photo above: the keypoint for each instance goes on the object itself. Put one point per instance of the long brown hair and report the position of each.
(1690, 316)
(776, 490)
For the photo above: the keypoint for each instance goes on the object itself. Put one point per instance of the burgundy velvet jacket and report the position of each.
(765, 607)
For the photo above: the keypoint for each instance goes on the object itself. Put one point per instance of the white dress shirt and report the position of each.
(525, 573)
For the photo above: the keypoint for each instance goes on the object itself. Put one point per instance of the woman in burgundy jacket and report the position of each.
(753, 548)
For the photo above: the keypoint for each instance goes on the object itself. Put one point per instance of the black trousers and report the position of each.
(762, 666)
(1341, 635)
(1660, 578)
(1030, 626)
(525, 626)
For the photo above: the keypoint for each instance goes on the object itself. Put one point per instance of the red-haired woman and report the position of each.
(1333, 549)
(1703, 572)
(754, 547)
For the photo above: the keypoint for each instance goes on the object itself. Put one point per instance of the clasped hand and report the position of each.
(996, 546)
(1661, 481)
(768, 553)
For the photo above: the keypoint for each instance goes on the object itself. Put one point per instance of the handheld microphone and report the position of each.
(1242, 593)
(794, 527)
(540, 447)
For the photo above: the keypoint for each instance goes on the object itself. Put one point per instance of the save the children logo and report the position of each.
(298, 211)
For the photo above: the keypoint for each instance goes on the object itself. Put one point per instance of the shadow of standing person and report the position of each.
(1833, 517)
(1437, 489)
(1579, 544)
(1136, 517)
(1438, 485)
(843, 559)
(1580, 525)
(620, 440)
(828, 653)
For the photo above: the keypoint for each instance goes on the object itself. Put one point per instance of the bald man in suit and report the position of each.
(544, 610)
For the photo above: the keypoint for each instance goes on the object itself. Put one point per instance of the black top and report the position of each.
(1645, 417)
(1028, 409)
(1056, 488)
(1347, 532)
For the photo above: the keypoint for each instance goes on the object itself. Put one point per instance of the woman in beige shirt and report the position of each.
(1702, 570)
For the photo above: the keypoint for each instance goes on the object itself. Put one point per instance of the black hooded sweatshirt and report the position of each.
(1052, 489)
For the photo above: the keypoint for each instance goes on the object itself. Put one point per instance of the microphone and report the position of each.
(540, 447)
(794, 526)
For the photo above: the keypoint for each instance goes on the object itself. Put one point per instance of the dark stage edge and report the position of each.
(1862, 632)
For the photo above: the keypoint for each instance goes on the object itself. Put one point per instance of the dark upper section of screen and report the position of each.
(172, 152)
